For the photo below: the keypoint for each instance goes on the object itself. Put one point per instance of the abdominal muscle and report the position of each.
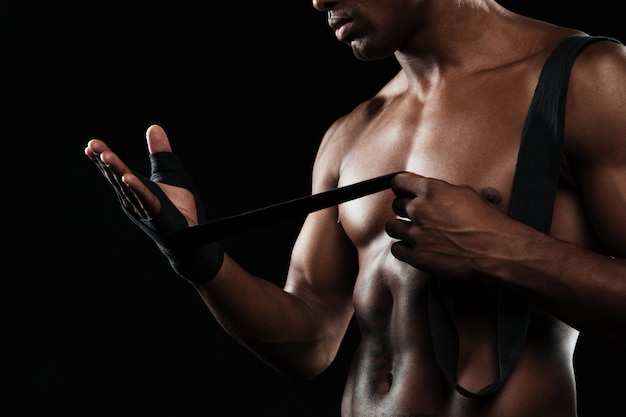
(394, 372)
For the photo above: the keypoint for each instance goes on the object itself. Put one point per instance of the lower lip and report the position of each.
(343, 32)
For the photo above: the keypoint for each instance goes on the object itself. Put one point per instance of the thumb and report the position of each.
(157, 140)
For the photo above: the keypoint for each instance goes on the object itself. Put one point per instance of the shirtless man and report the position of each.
(452, 117)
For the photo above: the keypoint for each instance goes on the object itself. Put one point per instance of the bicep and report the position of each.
(324, 266)
(601, 174)
(604, 192)
(596, 139)
(324, 262)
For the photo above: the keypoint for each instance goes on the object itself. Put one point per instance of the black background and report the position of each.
(93, 322)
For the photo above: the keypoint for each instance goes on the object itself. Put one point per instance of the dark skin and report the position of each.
(452, 118)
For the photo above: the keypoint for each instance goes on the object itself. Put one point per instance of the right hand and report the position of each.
(133, 194)
(167, 202)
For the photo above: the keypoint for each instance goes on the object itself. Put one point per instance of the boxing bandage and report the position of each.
(196, 263)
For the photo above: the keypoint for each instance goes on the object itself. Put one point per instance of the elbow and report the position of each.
(304, 364)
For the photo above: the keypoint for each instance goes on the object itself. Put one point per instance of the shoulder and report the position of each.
(596, 100)
(599, 67)
(343, 135)
(599, 73)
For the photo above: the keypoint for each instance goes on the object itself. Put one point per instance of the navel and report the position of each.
(492, 195)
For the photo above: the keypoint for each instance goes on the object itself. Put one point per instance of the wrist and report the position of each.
(198, 264)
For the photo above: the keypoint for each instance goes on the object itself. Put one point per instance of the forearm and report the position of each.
(279, 327)
(580, 287)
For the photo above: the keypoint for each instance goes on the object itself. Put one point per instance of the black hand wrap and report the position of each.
(196, 263)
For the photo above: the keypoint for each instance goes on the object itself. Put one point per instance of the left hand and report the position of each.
(448, 230)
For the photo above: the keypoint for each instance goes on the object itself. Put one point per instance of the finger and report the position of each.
(131, 191)
(399, 206)
(398, 229)
(401, 250)
(157, 140)
(96, 147)
(125, 193)
(407, 184)
(98, 152)
(145, 204)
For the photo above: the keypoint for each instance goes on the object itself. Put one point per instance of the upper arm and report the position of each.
(324, 263)
(595, 139)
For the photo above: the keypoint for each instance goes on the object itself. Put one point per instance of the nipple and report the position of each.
(492, 195)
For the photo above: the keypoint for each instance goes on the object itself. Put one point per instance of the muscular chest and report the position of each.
(468, 145)
(469, 142)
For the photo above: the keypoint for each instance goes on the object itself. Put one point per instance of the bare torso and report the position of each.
(394, 372)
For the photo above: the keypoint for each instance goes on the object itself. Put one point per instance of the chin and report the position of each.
(369, 57)
(364, 53)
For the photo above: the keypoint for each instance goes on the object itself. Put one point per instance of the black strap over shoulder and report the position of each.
(534, 190)
(538, 166)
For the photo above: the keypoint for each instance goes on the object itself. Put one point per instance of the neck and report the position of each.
(461, 35)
